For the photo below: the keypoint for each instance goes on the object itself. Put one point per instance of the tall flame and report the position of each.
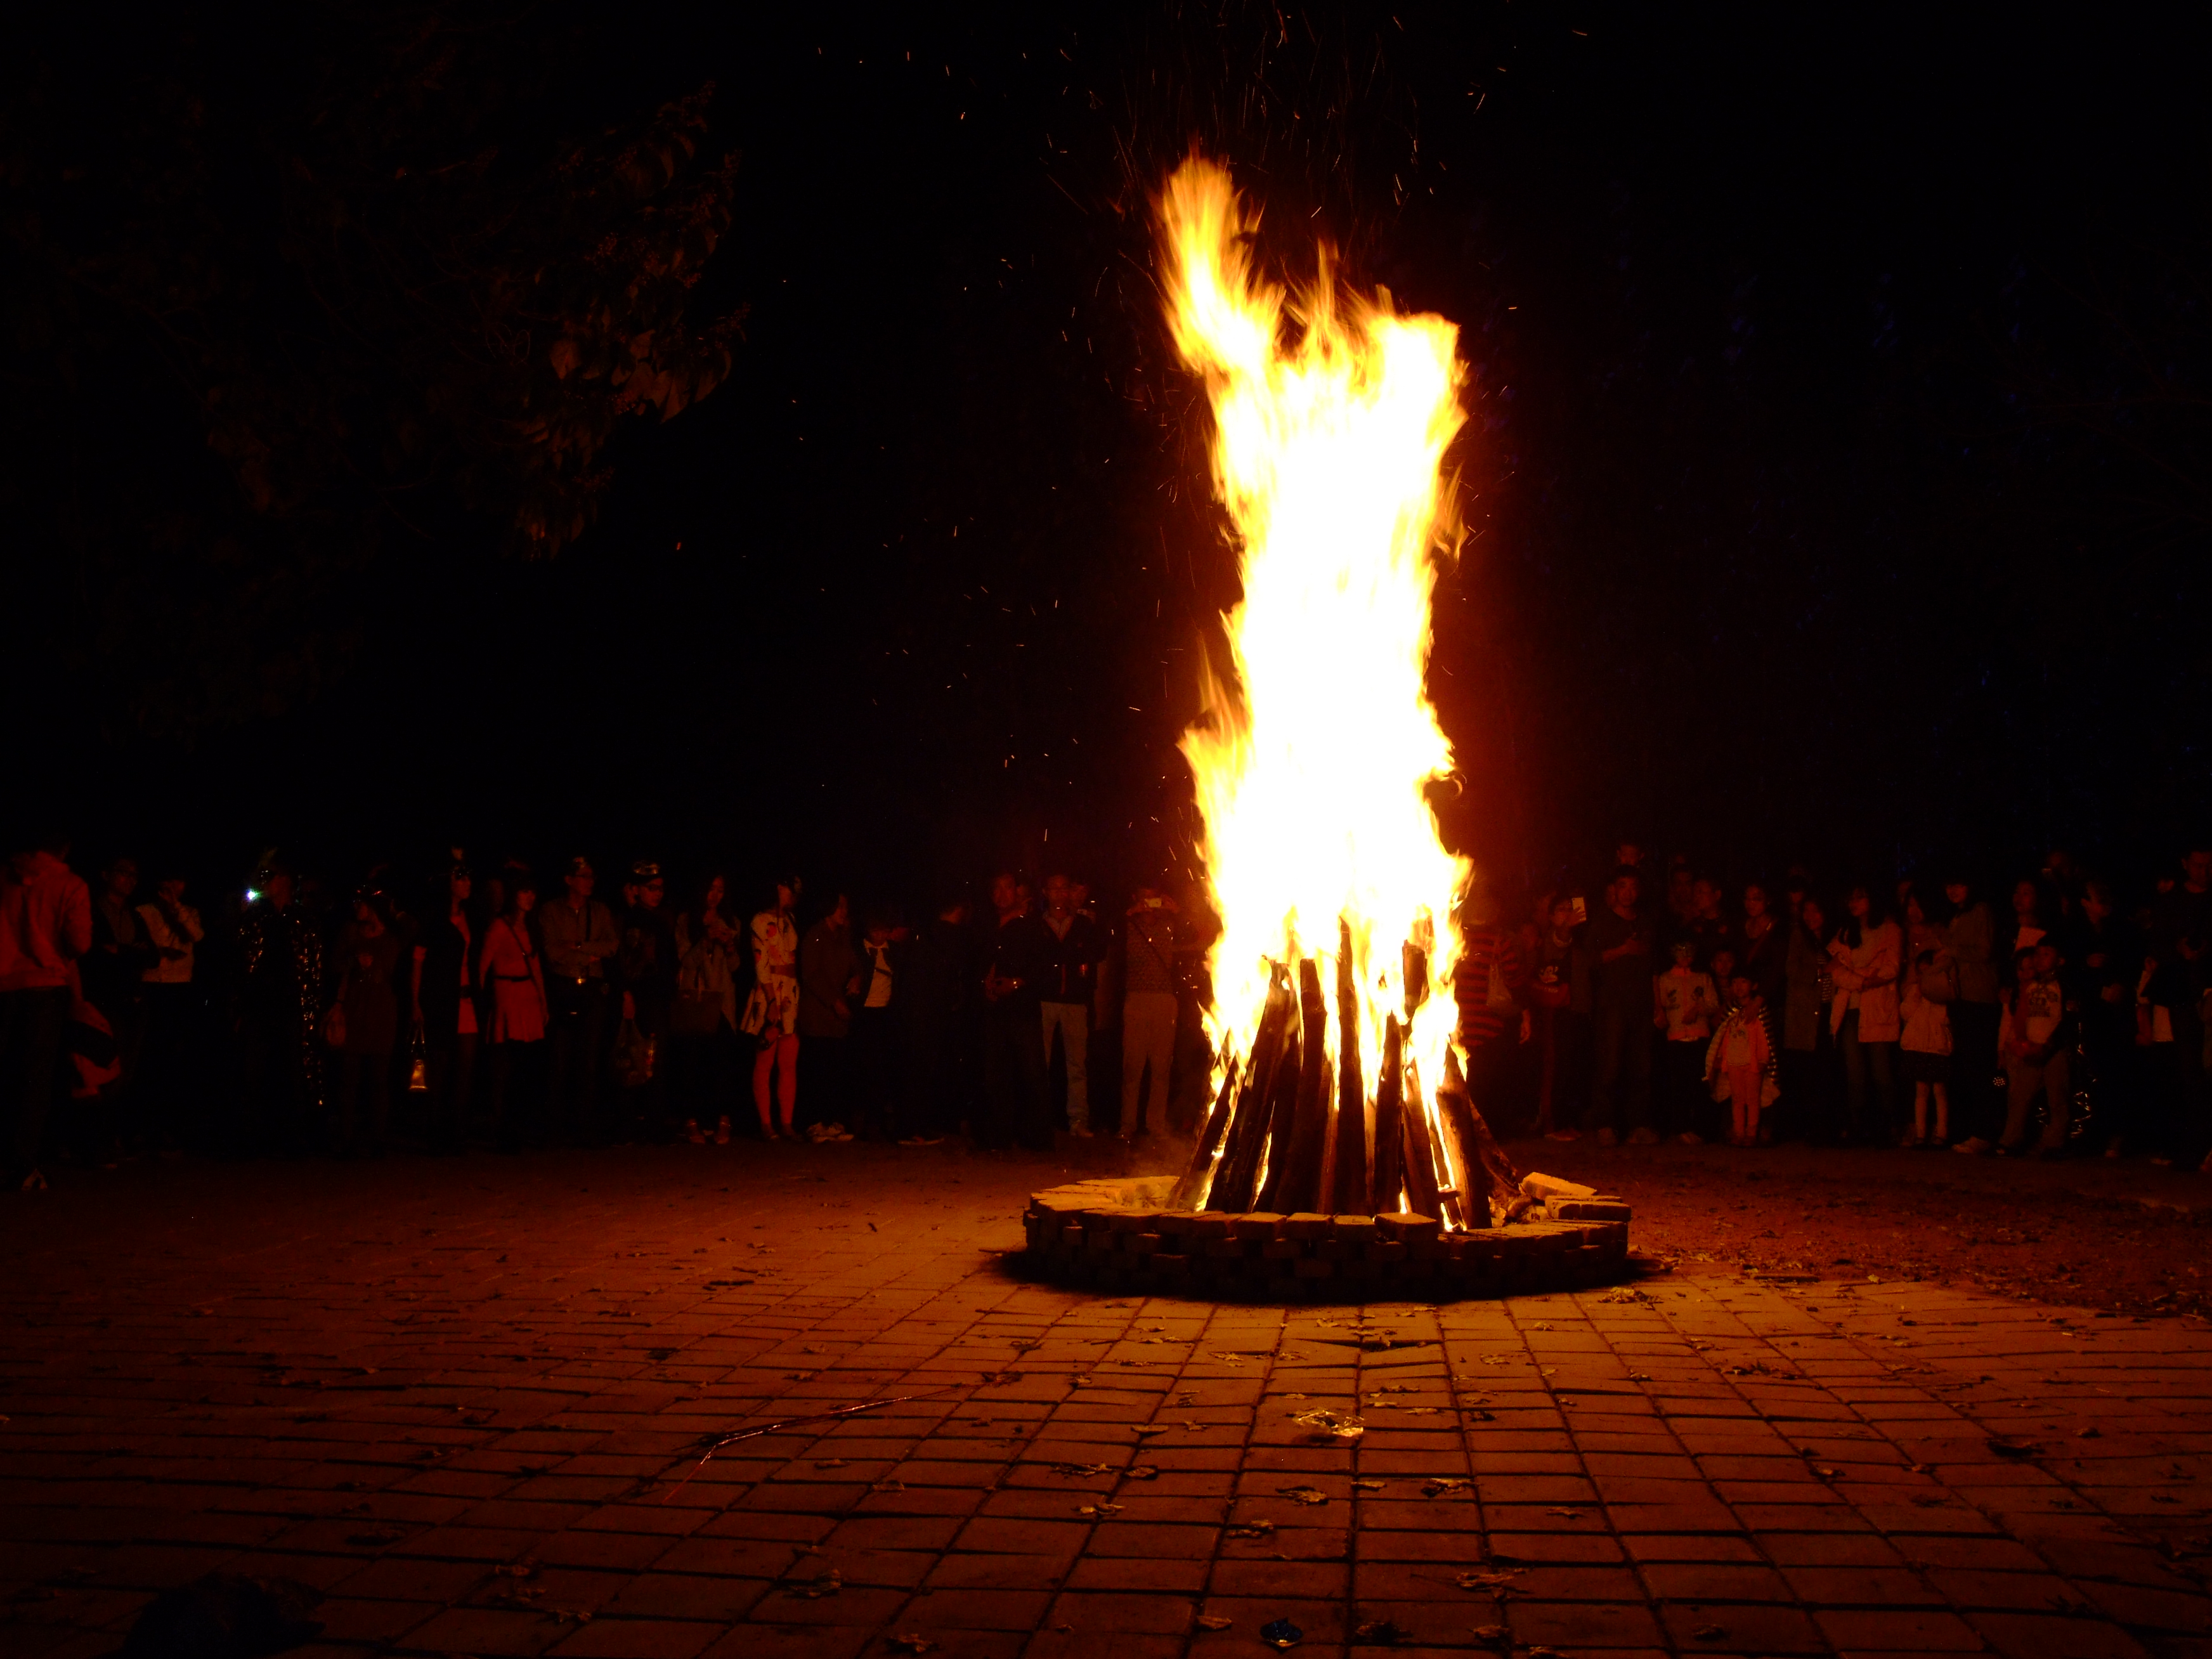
(1332, 414)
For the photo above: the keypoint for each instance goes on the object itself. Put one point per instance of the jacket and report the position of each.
(1968, 937)
(1868, 971)
(45, 923)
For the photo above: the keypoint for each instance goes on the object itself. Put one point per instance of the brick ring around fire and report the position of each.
(1116, 1234)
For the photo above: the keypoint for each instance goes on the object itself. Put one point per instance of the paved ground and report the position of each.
(455, 1397)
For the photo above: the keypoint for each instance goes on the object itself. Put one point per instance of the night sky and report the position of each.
(1837, 472)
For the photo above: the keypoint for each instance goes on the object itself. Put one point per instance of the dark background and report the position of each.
(1836, 473)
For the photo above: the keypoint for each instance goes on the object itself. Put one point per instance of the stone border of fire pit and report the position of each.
(1114, 1235)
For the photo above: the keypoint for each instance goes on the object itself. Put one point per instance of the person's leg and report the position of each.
(349, 1071)
(1607, 1048)
(1033, 1098)
(501, 1078)
(2058, 1100)
(379, 1101)
(1636, 1074)
(586, 1125)
(1920, 1089)
(786, 1078)
(1148, 1023)
(1881, 1061)
(1743, 1103)
(1074, 1038)
(1942, 1113)
(34, 1020)
(2022, 1083)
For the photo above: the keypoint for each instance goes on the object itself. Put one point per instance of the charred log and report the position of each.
(1389, 1130)
(1185, 1191)
(1350, 1190)
(1485, 1173)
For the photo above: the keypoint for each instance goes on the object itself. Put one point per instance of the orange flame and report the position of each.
(1332, 414)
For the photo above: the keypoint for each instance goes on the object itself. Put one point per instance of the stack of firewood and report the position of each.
(1286, 1135)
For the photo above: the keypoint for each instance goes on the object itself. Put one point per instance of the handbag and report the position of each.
(633, 1056)
(1939, 981)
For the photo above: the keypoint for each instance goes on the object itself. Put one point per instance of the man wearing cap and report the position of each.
(579, 934)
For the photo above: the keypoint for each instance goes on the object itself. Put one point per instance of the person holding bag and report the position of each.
(512, 975)
(702, 1023)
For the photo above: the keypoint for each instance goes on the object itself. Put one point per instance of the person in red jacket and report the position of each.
(46, 925)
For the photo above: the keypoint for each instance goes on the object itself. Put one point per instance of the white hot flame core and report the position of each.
(1332, 416)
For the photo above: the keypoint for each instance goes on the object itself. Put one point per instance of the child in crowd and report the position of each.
(1925, 1044)
(1740, 1063)
(1683, 1006)
(2034, 1038)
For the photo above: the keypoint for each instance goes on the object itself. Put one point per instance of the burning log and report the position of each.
(1294, 1174)
(1421, 1184)
(1209, 1143)
(1247, 1130)
(1390, 1129)
(1348, 1186)
(1487, 1177)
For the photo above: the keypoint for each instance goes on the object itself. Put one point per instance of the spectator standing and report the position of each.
(1763, 946)
(1071, 948)
(442, 1001)
(280, 1016)
(1148, 1008)
(1808, 1068)
(829, 981)
(1560, 1000)
(2106, 966)
(1489, 984)
(1969, 938)
(514, 981)
(646, 967)
(1924, 1003)
(878, 1090)
(1708, 925)
(1620, 945)
(1683, 1006)
(113, 973)
(1013, 1059)
(937, 1003)
(580, 941)
(2036, 1039)
(364, 1024)
(1864, 961)
(1740, 1060)
(170, 1081)
(772, 1012)
(45, 927)
(703, 1023)
(2181, 945)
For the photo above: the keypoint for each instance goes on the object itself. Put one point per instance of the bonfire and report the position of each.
(1336, 1085)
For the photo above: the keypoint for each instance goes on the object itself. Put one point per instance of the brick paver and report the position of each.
(456, 1397)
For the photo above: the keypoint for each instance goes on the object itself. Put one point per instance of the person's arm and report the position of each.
(1882, 969)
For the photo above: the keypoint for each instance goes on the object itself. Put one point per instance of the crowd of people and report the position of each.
(469, 1007)
(493, 1009)
(2046, 1019)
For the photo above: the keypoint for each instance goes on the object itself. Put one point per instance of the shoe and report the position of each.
(817, 1132)
(1644, 1138)
(1691, 1138)
(1562, 1134)
(839, 1132)
(1973, 1146)
(722, 1131)
(1607, 1138)
(768, 1133)
(1080, 1134)
(692, 1131)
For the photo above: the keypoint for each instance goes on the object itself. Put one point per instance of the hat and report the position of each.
(645, 870)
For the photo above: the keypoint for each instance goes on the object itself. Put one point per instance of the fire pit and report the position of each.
(1125, 1235)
